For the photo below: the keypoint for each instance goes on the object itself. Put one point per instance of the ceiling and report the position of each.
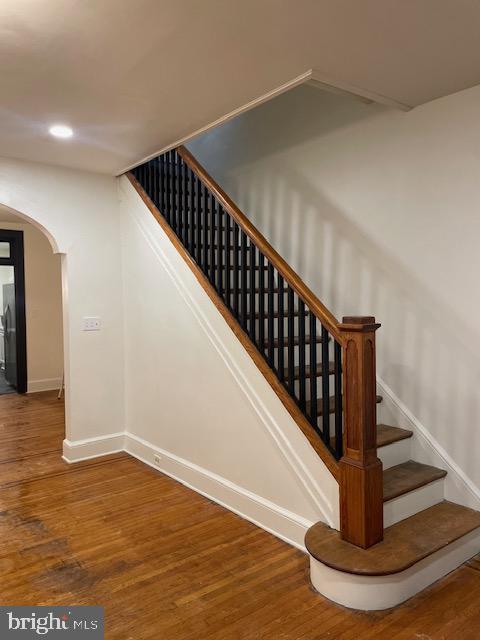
(134, 76)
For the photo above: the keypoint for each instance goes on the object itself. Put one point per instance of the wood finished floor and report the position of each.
(165, 562)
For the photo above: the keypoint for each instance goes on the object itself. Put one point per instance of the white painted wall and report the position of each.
(78, 211)
(378, 211)
(194, 396)
(43, 308)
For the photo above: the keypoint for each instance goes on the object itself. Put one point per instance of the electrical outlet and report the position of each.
(157, 459)
(91, 324)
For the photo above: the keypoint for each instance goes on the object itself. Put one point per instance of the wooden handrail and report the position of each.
(288, 402)
(291, 277)
(359, 470)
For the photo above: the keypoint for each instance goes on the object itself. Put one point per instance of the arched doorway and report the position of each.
(37, 287)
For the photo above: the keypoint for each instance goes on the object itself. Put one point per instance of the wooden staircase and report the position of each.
(323, 371)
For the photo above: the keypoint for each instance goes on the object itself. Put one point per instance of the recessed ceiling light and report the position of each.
(61, 131)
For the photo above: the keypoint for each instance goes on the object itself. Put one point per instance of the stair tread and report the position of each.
(387, 434)
(257, 290)
(407, 477)
(331, 405)
(405, 543)
(276, 341)
(275, 315)
(238, 267)
(318, 372)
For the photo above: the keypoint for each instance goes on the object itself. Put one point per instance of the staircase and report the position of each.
(394, 520)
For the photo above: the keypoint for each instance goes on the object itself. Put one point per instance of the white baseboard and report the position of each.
(78, 450)
(284, 524)
(45, 384)
(426, 449)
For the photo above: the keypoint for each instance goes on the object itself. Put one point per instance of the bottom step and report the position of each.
(414, 553)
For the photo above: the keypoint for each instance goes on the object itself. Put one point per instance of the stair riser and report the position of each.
(395, 453)
(412, 502)
(369, 593)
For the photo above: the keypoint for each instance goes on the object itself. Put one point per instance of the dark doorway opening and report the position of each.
(13, 338)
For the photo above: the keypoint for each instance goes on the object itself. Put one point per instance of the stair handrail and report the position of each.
(358, 470)
(291, 277)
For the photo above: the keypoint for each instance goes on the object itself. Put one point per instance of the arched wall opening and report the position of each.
(45, 304)
(78, 211)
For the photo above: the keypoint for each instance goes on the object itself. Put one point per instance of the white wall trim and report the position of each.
(282, 523)
(78, 450)
(326, 82)
(309, 481)
(458, 486)
(44, 384)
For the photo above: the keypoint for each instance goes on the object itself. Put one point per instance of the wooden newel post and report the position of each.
(361, 479)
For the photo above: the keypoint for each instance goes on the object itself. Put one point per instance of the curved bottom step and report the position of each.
(415, 553)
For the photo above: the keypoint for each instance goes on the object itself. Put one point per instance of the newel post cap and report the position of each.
(359, 323)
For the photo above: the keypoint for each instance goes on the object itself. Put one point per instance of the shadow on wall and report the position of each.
(298, 121)
(438, 373)
(426, 353)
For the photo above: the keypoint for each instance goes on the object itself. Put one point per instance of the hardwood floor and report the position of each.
(165, 562)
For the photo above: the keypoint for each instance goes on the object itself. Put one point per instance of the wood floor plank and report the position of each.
(164, 561)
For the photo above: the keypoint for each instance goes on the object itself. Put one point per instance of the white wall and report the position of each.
(79, 213)
(194, 396)
(43, 308)
(378, 211)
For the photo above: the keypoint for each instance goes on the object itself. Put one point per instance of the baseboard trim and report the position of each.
(44, 384)
(283, 524)
(458, 486)
(78, 450)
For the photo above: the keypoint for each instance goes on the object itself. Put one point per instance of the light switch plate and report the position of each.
(91, 324)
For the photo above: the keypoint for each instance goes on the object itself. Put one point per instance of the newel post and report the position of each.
(361, 479)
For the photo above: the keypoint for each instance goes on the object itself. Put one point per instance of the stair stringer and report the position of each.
(316, 485)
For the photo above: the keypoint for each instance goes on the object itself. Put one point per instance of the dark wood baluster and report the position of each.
(161, 163)
(173, 194)
(151, 180)
(301, 355)
(290, 339)
(337, 350)
(186, 221)
(244, 282)
(205, 222)
(313, 366)
(228, 248)
(191, 212)
(253, 263)
(212, 206)
(261, 302)
(325, 388)
(236, 267)
(179, 195)
(271, 316)
(220, 248)
(280, 330)
(148, 179)
(156, 182)
(199, 216)
(168, 189)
